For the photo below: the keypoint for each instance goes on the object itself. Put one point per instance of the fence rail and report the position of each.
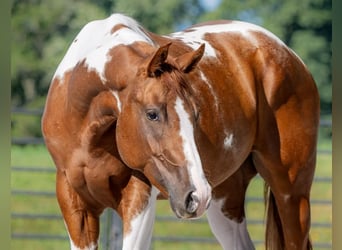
(109, 217)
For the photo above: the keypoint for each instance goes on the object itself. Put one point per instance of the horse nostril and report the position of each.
(191, 203)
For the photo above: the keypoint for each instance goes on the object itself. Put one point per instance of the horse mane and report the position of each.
(175, 81)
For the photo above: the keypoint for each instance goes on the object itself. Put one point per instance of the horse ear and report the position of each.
(154, 67)
(188, 61)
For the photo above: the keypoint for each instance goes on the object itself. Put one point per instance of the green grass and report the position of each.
(42, 181)
(35, 156)
(30, 156)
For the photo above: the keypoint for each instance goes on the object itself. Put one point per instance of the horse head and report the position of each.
(155, 130)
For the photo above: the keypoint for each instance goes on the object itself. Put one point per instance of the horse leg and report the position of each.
(226, 214)
(137, 210)
(285, 157)
(288, 216)
(82, 224)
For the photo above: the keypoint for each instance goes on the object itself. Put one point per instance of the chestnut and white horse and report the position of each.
(192, 116)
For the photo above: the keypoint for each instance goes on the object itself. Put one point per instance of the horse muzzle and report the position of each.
(192, 205)
(189, 197)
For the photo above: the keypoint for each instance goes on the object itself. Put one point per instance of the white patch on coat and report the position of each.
(194, 40)
(212, 92)
(94, 41)
(139, 238)
(194, 164)
(73, 246)
(228, 141)
(286, 197)
(196, 35)
(229, 233)
(117, 98)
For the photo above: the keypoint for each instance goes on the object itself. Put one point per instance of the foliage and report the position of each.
(161, 16)
(43, 29)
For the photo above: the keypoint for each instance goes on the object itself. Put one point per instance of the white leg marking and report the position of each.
(74, 247)
(230, 234)
(203, 189)
(92, 246)
(139, 238)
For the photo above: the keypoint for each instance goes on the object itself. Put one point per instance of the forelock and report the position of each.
(176, 83)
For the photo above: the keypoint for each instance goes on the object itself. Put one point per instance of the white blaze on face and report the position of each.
(74, 247)
(194, 165)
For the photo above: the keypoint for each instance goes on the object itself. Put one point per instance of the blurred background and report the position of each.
(42, 30)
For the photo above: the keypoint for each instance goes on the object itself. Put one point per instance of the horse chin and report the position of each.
(185, 202)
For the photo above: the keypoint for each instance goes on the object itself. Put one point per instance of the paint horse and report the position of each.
(192, 116)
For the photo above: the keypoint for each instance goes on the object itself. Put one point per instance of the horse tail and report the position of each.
(274, 230)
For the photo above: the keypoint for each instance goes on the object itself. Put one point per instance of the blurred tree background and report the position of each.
(43, 29)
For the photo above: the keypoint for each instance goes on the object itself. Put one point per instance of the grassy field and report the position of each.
(37, 156)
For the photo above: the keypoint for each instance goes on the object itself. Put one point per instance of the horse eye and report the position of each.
(152, 115)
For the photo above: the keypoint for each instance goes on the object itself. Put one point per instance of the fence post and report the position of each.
(111, 224)
(112, 231)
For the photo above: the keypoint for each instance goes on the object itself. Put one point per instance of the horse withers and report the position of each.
(192, 116)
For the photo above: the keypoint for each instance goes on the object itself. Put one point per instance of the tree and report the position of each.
(161, 16)
(41, 32)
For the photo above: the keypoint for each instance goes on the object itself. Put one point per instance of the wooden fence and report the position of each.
(110, 223)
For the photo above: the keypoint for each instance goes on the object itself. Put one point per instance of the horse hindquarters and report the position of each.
(288, 218)
(284, 152)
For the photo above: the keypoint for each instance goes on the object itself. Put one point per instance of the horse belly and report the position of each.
(224, 143)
